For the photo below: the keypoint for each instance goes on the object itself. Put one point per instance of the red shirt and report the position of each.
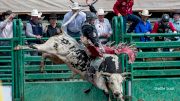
(124, 7)
(156, 26)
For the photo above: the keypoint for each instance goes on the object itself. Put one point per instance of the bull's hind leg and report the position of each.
(19, 47)
(43, 60)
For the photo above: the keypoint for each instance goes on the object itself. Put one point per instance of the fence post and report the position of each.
(17, 70)
(118, 29)
(20, 60)
(15, 81)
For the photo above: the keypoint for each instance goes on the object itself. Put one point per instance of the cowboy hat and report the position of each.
(53, 16)
(145, 12)
(35, 12)
(75, 6)
(101, 12)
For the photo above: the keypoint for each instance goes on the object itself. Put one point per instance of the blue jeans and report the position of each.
(135, 20)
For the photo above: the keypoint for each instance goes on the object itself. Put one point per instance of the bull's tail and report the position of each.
(130, 50)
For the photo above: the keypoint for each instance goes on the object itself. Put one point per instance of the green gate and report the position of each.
(155, 80)
(152, 80)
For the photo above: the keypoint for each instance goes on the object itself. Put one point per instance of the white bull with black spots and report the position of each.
(68, 50)
(65, 48)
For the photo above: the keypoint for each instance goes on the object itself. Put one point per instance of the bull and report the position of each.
(67, 49)
(106, 76)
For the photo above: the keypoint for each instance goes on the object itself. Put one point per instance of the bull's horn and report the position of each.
(125, 73)
(106, 74)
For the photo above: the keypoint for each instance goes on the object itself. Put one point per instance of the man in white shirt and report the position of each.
(6, 30)
(6, 26)
(103, 27)
(74, 27)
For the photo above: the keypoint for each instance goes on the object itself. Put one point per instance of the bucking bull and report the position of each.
(106, 77)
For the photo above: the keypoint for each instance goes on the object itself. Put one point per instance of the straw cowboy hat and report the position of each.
(145, 12)
(75, 6)
(101, 12)
(35, 12)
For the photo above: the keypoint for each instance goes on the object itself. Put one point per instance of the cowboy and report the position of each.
(91, 40)
(163, 26)
(103, 27)
(124, 8)
(74, 27)
(144, 26)
(53, 28)
(34, 28)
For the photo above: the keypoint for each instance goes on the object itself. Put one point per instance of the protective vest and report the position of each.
(36, 28)
(163, 28)
(51, 31)
(90, 32)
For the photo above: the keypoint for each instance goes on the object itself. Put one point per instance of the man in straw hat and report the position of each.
(103, 26)
(53, 28)
(33, 27)
(124, 8)
(74, 27)
(144, 26)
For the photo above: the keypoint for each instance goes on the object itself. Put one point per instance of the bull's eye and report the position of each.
(112, 83)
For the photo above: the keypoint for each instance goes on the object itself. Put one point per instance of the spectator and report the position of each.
(34, 27)
(144, 26)
(6, 31)
(163, 26)
(103, 27)
(124, 8)
(74, 27)
(176, 21)
(53, 28)
(6, 26)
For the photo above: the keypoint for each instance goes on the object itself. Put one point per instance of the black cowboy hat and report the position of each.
(53, 16)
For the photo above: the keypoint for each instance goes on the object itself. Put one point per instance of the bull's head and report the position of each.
(114, 83)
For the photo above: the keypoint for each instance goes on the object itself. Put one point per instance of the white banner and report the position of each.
(62, 6)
